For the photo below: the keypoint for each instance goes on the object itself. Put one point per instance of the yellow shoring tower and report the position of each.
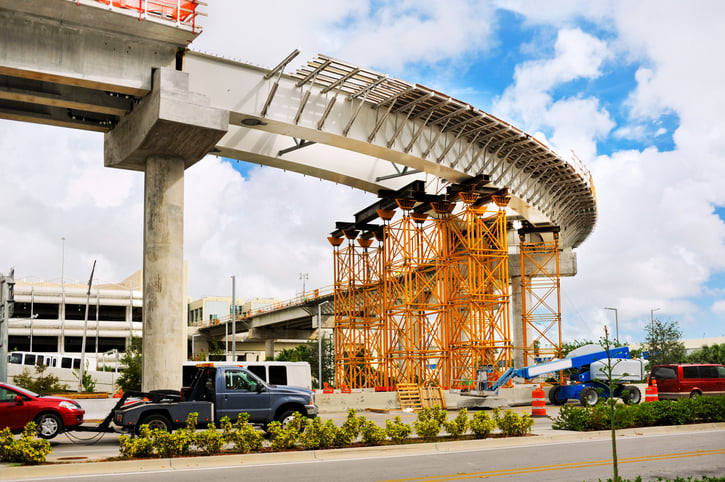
(430, 304)
(540, 284)
(358, 325)
(480, 331)
(412, 303)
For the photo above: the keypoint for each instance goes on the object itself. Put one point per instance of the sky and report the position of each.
(634, 89)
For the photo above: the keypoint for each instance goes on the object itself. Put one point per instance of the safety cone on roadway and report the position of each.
(538, 402)
(651, 394)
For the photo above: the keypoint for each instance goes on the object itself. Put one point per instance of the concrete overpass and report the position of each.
(93, 64)
(296, 319)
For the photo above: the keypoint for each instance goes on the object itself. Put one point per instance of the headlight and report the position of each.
(70, 405)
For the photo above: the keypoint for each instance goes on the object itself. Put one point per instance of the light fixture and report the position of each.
(252, 122)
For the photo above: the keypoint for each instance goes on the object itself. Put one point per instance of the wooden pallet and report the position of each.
(409, 396)
(432, 396)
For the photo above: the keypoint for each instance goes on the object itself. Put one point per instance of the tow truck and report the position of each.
(588, 376)
(215, 392)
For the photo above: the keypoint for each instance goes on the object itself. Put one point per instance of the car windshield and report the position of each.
(23, 391)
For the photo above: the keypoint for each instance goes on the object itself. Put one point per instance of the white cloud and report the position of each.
(575, 123)
(719, 307)
(265, 230)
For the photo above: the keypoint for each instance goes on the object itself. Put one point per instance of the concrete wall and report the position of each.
(105, 381)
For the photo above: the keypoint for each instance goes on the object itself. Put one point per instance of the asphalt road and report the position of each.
(647, 453)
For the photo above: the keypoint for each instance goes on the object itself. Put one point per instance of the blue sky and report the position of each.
(640, 105)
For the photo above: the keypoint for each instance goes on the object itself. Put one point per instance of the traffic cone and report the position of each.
(538, 402)
(651, 394)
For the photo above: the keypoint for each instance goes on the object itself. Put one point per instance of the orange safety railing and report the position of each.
(181, 12)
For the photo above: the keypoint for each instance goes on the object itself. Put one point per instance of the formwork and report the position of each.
(426, 300)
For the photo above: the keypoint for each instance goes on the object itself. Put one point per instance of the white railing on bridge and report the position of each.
(308, 297)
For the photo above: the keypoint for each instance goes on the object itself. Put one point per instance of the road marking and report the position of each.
(573, 465)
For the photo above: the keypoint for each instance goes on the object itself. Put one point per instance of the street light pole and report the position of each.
(234, 319)
(303, 277)
(616, 322)
(62, 296)
(319, 342)
(652, 318)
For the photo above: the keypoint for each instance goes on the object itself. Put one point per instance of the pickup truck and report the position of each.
(215, 392)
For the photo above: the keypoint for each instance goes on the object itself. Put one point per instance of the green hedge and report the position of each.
(648, 414)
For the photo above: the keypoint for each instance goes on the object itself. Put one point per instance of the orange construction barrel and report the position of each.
(538, 403)
(651, 394)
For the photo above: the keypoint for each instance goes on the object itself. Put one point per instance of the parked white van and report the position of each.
(294, 374)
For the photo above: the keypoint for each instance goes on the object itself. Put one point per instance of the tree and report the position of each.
(308, 353)
(611, 402)
(708, 354)
(130, 379)
(663, 343)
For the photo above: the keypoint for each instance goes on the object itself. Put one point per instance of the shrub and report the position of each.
(284, 438)
(28, 449)
(140, 446)
(459, 425)
(430, 422)
(396, 430)
(663, 412)
(318, 435)
(512, 424)
(571, 418)
(88, 383)
(350, 429)
(242, 434)
(40, 383)
(482, 425)
(371, 433)
(209, 441)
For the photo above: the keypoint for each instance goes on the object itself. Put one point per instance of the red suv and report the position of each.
(53, 415)
(688, 380)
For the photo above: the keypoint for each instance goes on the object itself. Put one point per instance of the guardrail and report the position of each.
(308, 297)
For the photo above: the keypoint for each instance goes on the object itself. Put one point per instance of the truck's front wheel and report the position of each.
(286, 417)
(157, 421)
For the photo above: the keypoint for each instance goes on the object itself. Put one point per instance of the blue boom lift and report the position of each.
(588, 379)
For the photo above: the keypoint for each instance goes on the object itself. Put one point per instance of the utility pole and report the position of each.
(319, 343)
(62, 297)
(85, 331)
(616, 322)
(652, 318)
(303, 277)
(234, 319)
(7, 299)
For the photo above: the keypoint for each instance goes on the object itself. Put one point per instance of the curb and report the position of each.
(185, 463)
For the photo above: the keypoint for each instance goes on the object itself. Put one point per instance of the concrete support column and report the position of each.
(164, 341)
(269, 348)
(517, 325)
(167, 132)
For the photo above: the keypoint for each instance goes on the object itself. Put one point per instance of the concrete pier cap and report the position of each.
(167, 132)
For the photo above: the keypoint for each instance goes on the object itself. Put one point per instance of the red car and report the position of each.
(53, 415)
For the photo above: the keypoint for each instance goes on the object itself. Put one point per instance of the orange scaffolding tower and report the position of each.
(358, 325)
(430, 303)
(541, 298)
